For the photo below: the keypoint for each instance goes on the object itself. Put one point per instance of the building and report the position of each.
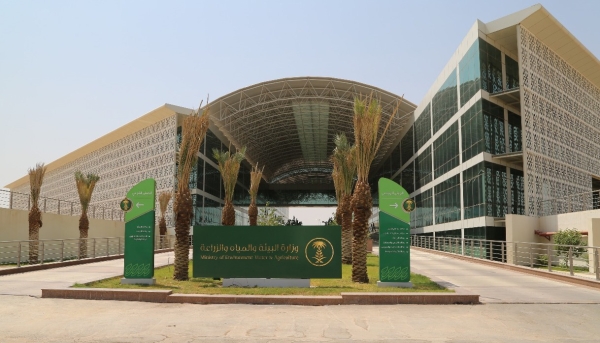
(512, 122)
(287, 125)
(510, 126)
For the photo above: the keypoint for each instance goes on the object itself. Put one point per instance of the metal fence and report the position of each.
(22, 201)
(20, 253)
(572, 259)
(571, 203)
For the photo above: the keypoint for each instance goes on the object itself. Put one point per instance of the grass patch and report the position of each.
(164, 280)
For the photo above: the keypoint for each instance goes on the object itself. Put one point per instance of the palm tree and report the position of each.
(229, 166)
(367, 115)
(36, 178)
(255, 177)
(344, 172)
(163, 201)
(85, 188)
(193, 130)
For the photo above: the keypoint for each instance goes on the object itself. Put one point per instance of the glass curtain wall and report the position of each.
(445, 151)
(485, 190)
(447, 200)
(483, 130)
(444, 103)
(423, 213)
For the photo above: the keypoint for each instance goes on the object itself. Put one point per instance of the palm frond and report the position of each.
(367, 117)
(85, 188)
(193, 130)
(229, 166)
(163, 201)
(36, 178)
(255, 177)
(343, 164)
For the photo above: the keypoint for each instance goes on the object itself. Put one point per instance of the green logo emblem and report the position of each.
(126, 204)
(409, 205)
(319, 252)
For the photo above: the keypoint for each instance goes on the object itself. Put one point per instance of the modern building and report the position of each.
(510, 126)
(512, 121)
(287, 125)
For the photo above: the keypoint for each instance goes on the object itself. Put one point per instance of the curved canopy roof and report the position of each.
(288, 125)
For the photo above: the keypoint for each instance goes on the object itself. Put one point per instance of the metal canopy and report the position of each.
(288, 125)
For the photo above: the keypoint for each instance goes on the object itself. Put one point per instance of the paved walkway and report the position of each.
(31, 283)
(496, 285)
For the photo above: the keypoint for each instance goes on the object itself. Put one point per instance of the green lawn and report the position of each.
(164, 280)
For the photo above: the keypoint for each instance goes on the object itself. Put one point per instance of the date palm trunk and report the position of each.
(253, 213)
(84, 227)
(35, 223)
(346, 219)
(228, 215)
(183, 205)
(362, 206)
(162, 228)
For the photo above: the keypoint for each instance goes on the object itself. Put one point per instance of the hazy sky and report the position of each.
(72, 71)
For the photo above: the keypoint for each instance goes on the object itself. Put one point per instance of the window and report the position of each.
(423, 168)
(445, 102)
(423, 213)
(446, 151)
(515, 135)
(423, 128)
(512, 73)
(406, 145)
(470, 74)
(447, 200)
(491, 67)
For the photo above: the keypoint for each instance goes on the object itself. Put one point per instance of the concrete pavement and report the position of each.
(495, 285)
(27, 319)
(31, 283)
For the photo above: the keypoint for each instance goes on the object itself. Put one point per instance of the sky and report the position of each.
(72, 71)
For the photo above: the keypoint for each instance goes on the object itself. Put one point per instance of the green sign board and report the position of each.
(394, 232)
(139, 231)
(299, 252)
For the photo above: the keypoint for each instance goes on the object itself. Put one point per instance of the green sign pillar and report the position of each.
(139, 233)
(394, 234)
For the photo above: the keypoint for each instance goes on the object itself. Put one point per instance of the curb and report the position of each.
(51, 265)
(166, 296)
(521, 269)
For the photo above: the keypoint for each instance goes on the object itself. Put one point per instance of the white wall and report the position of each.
(14, 225)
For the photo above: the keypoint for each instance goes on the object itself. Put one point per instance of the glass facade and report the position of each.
(445, 151)
(481, 68)
(493, 127)
(423, 213)
(517, 192)
(483, 129)
(485, 190)
(211, 142)
(212, 181)
(423, 128)
(445, 103)
(406, 146)
(469, 74)
(512, 73)
(423, 170)
(490, 60)
(447, 200)
(406, 178)
(515, 133)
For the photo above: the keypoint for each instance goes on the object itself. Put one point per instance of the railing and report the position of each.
(571, 203)
(20, 253)
(22, 201)
(573, 259)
